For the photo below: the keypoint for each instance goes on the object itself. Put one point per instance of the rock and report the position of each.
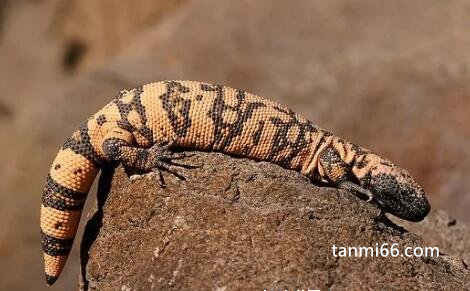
(442, 230)
(237, 224)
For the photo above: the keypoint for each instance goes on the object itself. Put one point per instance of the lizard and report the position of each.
(141, 127)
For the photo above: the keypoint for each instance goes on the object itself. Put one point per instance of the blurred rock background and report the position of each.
(388, 75)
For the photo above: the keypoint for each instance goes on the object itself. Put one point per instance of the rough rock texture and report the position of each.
(442, 230)
(236, 224)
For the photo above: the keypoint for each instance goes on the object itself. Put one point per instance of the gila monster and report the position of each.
(140, 126)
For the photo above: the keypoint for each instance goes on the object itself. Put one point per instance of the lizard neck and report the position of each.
(311, 167)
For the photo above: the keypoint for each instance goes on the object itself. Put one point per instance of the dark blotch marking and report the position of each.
(208, 87)
(55, 246)
(58, 197)
(126, 108)
(51, 279)
(224, 132)
(52, 185)
(281, 140)
(177, 108)
(82, 145)
(101, 120)
(258, 132)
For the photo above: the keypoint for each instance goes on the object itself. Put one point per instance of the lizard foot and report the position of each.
(163, 160)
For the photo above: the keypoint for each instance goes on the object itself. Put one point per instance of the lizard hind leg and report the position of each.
(157, 159)
(137, 160)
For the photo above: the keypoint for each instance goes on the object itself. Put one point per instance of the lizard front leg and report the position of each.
(338, 172)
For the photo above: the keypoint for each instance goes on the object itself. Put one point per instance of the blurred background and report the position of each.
(388, 75)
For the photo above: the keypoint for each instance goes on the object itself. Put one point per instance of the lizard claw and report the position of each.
(160, 179)
(163, 167)
(163, 161)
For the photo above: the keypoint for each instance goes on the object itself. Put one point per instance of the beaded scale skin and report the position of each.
(133, 127)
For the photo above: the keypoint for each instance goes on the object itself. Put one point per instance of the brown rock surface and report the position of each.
(236, 224)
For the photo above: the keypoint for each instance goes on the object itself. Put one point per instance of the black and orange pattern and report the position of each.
(134, 126)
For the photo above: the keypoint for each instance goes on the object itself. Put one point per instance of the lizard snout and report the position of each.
(397, 193)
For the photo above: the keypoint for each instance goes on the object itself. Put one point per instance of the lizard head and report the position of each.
(394, 191)
(374, 179)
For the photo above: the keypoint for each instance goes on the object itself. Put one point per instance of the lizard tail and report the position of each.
(67, 186)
